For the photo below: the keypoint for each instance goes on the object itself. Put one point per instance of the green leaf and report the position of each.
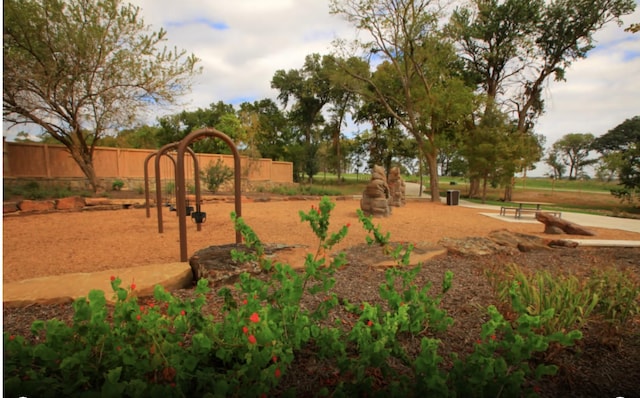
(45, 353)
(113, 375)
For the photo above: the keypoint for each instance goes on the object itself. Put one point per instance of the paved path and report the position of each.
(587, 220)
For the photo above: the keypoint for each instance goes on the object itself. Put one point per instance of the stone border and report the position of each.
(78, 203)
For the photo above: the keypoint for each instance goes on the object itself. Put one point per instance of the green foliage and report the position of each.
(33, 190)
(170, 188)
(313, 190)
(215, 175)
(621, 144)
(609, 295)
(619, 296)
(535, 294)
(78, 68)
(117, 184)
(169, 347)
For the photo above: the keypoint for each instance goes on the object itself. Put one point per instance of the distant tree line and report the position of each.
(437, 91)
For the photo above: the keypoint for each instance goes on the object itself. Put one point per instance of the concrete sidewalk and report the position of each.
(587, 220)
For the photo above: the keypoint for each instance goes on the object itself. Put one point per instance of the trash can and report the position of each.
(453, 197)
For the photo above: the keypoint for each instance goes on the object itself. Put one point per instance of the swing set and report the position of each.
(182, 206)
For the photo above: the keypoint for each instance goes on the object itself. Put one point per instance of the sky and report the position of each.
(242, 43)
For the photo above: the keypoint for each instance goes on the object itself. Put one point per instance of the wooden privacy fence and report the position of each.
(29, 160)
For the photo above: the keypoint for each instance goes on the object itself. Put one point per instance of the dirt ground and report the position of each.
(64, 242)
(58, 243)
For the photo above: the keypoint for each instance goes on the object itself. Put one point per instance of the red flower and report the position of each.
(252, 339)
(12, 337)
(478, 341)
(183, 313)
(369, 323)
(138, 317)
(142, 308)
(133, 286)
(113, 278)
(245, 302)
(348, 224)
(493, 337)
(274, 359)
(254, 318)
(277, 373)
(245, 330)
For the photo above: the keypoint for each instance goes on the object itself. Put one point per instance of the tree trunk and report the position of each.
(432, 162)
(508, 192)
(474, 187)
(421, 172)
(484, 189)
(85, 162)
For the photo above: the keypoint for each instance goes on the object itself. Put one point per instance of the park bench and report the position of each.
(505, 209)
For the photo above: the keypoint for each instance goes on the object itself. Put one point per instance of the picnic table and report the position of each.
(527, 207)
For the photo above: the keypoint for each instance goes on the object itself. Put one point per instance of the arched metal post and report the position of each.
(180, 182)
(196, 168)
(161, 152)
(147, 199)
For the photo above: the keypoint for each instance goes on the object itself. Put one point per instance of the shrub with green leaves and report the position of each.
(541, 291)
(169, 347)
(215, 175)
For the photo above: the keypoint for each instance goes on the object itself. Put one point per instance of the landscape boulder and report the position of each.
(28, 206)
(553, 225)
(70, 203)
(9, 207)
(497, 242)
(397, 188)
(215, 263)
(375, 198)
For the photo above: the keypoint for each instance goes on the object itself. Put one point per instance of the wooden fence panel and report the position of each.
(23, 160)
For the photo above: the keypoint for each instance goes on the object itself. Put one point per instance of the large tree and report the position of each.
(623, 142)
(308, 90)
(274, 136)
(81, 69)
(516, 46)
(416, 79)
(574, 150)
(222, 116)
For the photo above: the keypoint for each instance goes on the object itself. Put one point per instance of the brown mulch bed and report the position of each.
(602, 364)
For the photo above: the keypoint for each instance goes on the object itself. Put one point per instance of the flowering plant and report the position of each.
(169, 346)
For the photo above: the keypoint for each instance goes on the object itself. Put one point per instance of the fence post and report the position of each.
(47, 160)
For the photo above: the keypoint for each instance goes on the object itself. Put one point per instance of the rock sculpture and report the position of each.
(554, 225)
(375, 198)
(396, 188)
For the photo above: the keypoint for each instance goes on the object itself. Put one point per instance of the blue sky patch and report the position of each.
(215, 25)
(630, 55)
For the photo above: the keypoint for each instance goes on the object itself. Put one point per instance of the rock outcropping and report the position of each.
(555, 225)
(396, 188)
(375, 198)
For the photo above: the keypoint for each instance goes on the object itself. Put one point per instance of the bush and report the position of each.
(117, 184)
(32, 190)
(215, 175)
(171, 348)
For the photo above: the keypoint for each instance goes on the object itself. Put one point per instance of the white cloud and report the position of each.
(264, 36)
(259, 37)
(243, 42)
